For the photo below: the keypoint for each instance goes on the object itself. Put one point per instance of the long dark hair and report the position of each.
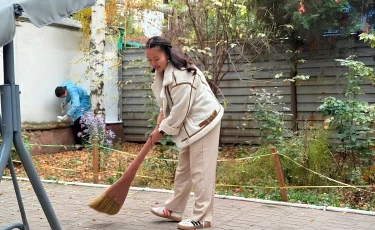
(175, 58)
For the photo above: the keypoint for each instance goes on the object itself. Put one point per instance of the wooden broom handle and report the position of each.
(119, 190)
(133, 167)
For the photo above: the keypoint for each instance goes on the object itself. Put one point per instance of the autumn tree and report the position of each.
(303, 23)
(213, 31)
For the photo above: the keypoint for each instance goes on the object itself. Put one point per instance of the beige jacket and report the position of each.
(190, 108)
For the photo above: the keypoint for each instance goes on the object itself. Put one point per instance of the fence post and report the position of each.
(95, 161)
(279, 174)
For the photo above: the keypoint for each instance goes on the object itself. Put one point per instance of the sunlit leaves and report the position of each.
(368, 37)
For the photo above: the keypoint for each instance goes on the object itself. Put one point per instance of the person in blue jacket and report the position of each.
(80, 104)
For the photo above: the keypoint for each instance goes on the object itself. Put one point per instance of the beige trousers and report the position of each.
(197, 169)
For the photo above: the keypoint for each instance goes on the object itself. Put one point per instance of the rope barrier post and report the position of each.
(279, 174)
(95, 161)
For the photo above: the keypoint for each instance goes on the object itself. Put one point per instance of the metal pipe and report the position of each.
(8, 60)
(28, 164)
(13, 226)
(11, 122)
(7, 126)
(35, 181)
(18, 194)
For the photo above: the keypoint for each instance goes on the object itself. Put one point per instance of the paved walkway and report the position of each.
(70, 204)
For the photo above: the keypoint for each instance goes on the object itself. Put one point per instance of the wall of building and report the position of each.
(46, 57)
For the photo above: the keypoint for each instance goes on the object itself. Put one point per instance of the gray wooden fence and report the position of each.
(326, 79)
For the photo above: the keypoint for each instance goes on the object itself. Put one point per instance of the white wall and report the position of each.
(43, 60)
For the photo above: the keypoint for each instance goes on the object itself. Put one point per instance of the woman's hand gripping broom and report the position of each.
(111, 201)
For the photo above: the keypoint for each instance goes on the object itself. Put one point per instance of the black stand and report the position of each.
(11, 133)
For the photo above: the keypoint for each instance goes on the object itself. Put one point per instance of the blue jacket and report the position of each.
(79, 98)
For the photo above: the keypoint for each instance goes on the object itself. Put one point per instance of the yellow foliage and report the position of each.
(111, 12)
(115, 15)
(84, 17)
(142, 4)
(369, 175)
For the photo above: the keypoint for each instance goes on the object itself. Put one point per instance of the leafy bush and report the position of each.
(268, 111)
(94, 128)
(352, 120)
(310, 149)
(257, 171)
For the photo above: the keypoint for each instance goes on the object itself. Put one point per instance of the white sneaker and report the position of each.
(176, 216)
(191, 224)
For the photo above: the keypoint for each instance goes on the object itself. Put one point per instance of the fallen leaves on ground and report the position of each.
(78, 165)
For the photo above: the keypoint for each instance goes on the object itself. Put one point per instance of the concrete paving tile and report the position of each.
(70, 205)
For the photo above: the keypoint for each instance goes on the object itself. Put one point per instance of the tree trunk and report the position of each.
(96, 58)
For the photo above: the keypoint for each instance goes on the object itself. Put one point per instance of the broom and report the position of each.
(111, 201)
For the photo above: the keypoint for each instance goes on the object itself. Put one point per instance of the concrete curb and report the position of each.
(271, 202)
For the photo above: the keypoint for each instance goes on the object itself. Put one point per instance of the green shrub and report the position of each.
(310, 150)
(258, 171)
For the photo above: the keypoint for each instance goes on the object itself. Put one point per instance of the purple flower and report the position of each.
(108, 142)
(111, 134)
(95, 127)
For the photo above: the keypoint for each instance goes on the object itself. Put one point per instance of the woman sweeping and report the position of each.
(190, 113)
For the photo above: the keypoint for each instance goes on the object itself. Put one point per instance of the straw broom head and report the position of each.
(105, 204)
(113, 198)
